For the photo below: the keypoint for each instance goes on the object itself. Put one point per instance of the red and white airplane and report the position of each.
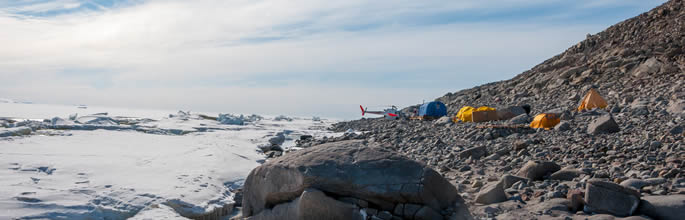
(391, 113)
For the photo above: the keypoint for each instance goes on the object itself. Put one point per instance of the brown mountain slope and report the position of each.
(642, 57)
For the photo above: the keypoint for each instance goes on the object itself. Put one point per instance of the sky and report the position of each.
(291, 57)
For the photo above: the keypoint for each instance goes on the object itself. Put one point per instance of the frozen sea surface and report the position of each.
(122, 173)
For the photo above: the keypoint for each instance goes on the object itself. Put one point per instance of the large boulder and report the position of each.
(537, 170)
(349, 169)
(603, 124)
(663, 207)
(610, 198)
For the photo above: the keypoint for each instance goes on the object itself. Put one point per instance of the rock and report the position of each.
(676, 130)
(426, 213)
(443, 121)
(566, 174)
(651, 66)
(494, 192)
(640, 110)
(520, 145)
(509, 180)
(639, 183)
(510, 112)
(663, 207)
(556, 204)
(474, 152)
(311, 204)
(536, 170)
(610, 198)
(520, 119)
(563, 126)
(385, 215)
(575, 198)
(377, 175)
(676, 107)
(603, 124)
(615, 109)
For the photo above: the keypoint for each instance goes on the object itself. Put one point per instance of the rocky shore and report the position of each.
(622, 162)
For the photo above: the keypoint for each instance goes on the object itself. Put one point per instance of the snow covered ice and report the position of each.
(129, 163)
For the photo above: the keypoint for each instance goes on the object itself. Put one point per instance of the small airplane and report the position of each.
(391, 113)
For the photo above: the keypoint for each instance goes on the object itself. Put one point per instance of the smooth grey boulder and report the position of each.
(491, 193)
(566, 174)
(610, 198)
(537, 170)
(377, 175)
(603, 124)
(639, 183)
(669, 207)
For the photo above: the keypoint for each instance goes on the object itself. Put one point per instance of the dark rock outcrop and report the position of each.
(380, 177)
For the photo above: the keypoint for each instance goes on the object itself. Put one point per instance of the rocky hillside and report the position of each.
(625, 160)
(640, 58)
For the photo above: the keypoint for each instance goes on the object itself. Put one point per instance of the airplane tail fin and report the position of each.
(363, 111)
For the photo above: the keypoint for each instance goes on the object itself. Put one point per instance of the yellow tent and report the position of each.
(545, 120)
(465, 114)
(592, 100)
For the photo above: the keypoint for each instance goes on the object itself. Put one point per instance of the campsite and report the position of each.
(595, 132)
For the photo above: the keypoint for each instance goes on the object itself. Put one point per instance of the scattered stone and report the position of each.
(576, 199)
(603, 124)
(521, 119)
(443, 121)
(563, 126)
(474, 152)
(566, 174)
(536, 170)
(640, 183)
(610, 198)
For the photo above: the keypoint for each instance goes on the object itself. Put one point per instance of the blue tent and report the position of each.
(433, 109)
